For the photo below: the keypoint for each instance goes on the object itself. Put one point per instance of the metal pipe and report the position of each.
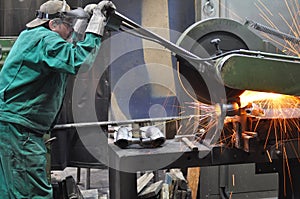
(122, 122)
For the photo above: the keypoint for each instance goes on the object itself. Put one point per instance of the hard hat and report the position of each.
(54, 9)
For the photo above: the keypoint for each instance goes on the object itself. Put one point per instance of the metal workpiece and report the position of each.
(154, 134)
(123, 137)
(148, 137)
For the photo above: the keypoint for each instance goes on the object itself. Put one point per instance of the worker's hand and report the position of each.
(89, 8)
(98, 20)
(105, 7)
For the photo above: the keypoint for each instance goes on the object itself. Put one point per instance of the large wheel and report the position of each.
(197, 39)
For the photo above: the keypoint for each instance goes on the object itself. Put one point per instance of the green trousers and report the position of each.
(22, 164)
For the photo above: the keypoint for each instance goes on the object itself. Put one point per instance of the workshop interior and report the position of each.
(201, 94)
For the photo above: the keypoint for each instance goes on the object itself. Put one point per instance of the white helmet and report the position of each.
(55, 9)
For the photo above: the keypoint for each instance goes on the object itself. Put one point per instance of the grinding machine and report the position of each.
(271, 137)
(219, 59)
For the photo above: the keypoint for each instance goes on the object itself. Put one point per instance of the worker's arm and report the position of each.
(66, 57)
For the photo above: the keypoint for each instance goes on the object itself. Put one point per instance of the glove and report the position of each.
(98, 20)
(89, 8)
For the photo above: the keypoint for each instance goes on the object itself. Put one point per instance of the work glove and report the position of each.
(89, 8)
(99, 18)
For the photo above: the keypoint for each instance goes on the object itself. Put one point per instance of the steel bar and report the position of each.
(189, 144)
(272, 31)
(121, 122)
(203, 63)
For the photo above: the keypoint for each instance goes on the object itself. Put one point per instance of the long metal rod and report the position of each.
(162, 41)
(272, 31)
(166, 43)
(122, 122)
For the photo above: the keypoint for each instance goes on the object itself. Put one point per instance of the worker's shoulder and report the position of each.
(40, 30)
(41, 33)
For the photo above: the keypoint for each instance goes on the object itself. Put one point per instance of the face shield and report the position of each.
(78, 20)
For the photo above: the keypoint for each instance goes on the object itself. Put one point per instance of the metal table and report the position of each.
(125, 163)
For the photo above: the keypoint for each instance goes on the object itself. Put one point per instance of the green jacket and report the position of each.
(34, 75)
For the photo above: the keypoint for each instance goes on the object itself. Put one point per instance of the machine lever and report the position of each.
(116, 20)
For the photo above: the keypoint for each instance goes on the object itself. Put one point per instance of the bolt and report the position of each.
(216, 43)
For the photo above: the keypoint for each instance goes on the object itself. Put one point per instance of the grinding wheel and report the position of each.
(198, 40)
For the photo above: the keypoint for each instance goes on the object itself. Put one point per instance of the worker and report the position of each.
(32, 87)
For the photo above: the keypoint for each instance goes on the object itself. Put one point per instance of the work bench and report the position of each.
(125, 163)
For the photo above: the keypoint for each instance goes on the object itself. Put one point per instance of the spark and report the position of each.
(202, 122)
(288, 166)
(233, 180)
(292, 22)
(269, 156)
(283, 110)
(275, 105)
(208, 114)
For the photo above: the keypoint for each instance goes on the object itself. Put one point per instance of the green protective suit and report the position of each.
(32, 88)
